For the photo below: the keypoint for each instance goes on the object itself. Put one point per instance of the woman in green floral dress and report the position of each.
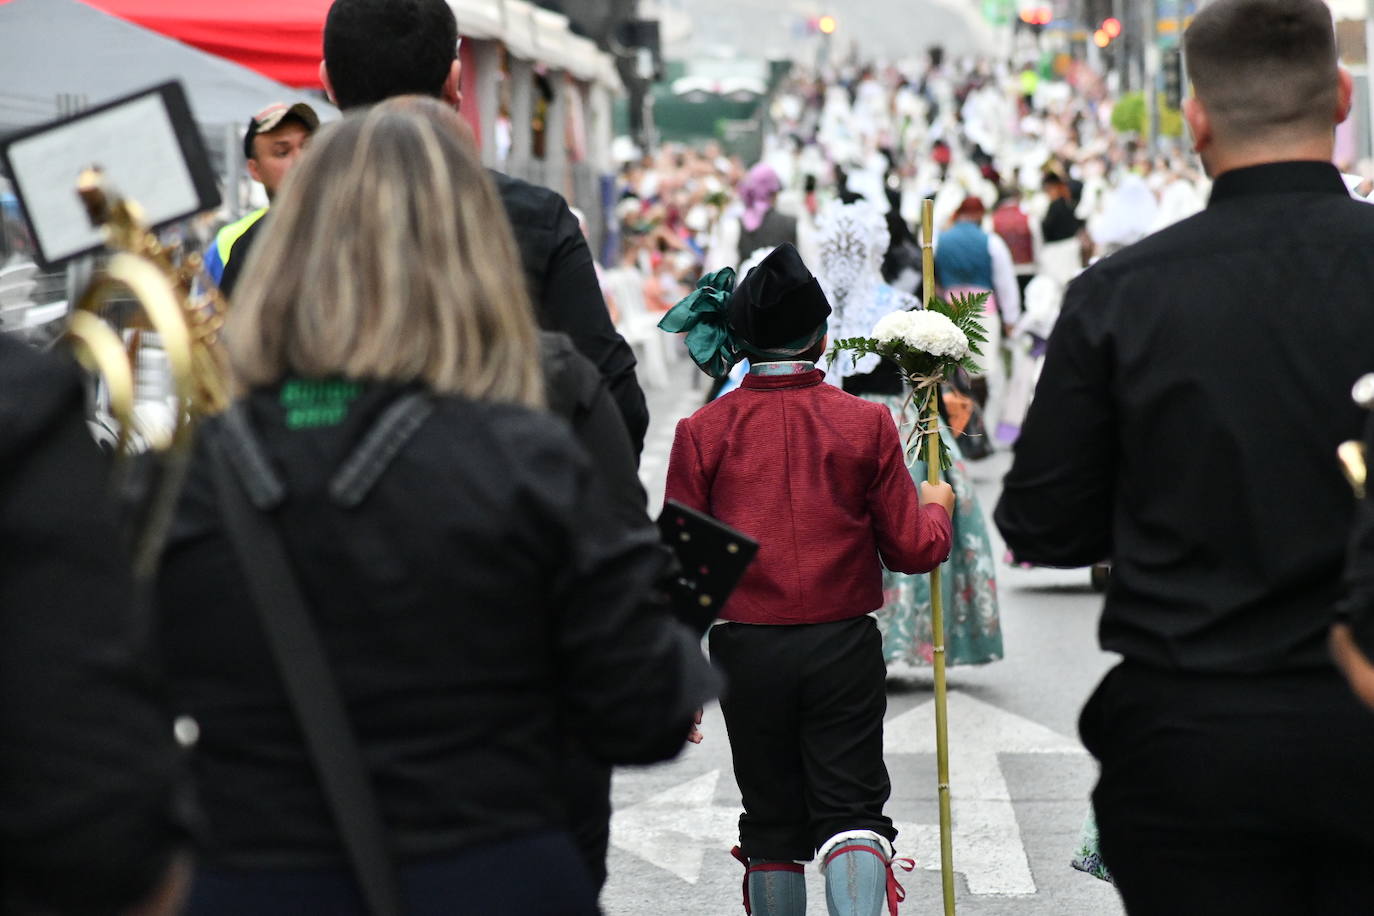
(852, 240)
(1088, 858)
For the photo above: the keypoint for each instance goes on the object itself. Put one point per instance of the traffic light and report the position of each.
(1172, 64)
(1109, 32)
(1037, 17)
(827, 25)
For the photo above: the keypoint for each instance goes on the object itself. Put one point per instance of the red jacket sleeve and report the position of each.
(686, 482)
(911, 538)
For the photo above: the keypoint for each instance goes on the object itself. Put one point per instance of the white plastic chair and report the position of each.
(17, 283)
(22, 270)
(638, 326)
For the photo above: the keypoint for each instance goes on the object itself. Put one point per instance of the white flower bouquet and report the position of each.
(928, 345)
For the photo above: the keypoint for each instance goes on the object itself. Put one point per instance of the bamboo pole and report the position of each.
(937, 610)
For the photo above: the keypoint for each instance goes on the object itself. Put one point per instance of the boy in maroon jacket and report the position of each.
(817, 477)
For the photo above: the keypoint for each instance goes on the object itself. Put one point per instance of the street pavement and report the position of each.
(1020, 778)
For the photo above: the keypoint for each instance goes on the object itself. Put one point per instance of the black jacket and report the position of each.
(482, 599)
(566, 295)
(578, 394)
(776, 229)
(1186, 424)
(562, 285)
(88, 768)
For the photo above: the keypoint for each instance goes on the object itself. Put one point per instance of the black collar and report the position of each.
(1279, 178)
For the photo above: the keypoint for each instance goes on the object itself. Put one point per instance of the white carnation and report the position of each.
(927, 331)
(892, 326)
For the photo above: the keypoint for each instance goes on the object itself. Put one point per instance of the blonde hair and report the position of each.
(388, 257)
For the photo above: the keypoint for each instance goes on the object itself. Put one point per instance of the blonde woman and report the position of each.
(473, 593)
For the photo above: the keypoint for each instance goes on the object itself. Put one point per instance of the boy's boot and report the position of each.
(772, 888)
(858, 874)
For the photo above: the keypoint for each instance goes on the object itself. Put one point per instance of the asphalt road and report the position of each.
(1020, 777)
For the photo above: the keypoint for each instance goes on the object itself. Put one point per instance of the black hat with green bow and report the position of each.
(777, 311)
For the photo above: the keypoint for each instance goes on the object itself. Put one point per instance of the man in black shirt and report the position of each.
(1185, 425)
(377, 49)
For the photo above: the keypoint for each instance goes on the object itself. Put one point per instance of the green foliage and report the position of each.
(967, 314)
(1130, 117)
(1170, 121)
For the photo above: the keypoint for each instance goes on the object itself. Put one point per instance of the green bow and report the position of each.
(703, 316)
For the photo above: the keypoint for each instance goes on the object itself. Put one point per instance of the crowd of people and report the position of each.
(1041, 177)
(1030, 182)
(406, 622)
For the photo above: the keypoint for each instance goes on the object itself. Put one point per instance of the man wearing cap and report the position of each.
(817, 477)
(271, 145)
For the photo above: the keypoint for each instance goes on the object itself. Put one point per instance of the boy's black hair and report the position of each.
(377, 49)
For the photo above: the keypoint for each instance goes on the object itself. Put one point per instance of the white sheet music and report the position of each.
(138, 150)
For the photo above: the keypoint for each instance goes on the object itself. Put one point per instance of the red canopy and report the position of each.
(281, 39)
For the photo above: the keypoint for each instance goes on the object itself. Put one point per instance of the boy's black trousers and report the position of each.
(804, 708)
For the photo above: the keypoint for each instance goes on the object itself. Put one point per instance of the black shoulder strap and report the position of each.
(311, 688)
(379, 448)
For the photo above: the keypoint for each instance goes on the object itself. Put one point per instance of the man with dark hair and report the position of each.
(377, 49)
(1185, 425)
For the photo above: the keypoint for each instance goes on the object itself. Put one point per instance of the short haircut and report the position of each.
(1261, 67)
(378, 49)
(432, 293)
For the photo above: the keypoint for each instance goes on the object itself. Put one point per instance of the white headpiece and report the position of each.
(851, 241)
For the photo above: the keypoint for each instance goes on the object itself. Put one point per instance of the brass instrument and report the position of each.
(1352, 458)
(162, 281)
